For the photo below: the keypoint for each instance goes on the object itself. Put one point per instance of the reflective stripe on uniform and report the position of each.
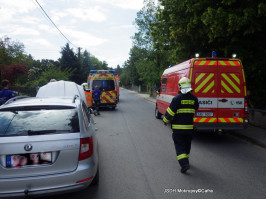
(190, 102)
(166, 120)
(170, 112)
(181, 156)
(185, 110)
(174, 126)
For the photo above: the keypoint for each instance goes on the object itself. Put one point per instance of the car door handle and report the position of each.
(223, 100)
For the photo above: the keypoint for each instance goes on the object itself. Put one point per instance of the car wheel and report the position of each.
(158, 115)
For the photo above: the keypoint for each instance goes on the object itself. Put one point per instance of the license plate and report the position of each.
(20, 160)
(204, 114)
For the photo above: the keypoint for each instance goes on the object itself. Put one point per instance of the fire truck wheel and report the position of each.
(158, 115)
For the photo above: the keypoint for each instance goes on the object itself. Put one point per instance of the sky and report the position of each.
(102, 27)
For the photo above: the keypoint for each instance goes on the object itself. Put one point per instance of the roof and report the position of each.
(61, 89)
(33, 101)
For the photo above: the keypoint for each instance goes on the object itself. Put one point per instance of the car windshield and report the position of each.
(106, 85)
(38, 122)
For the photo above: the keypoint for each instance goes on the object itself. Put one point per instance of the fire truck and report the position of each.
(219, 84)
(108, 82)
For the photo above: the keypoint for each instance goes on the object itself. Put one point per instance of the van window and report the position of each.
(106, 85)
(164, 81)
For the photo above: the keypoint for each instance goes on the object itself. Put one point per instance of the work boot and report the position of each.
(98, 113)
(184, 168)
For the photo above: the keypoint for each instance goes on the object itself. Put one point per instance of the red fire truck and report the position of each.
(219, 84)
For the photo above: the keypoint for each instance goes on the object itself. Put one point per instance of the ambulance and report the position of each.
(219, 84)
(107, 80)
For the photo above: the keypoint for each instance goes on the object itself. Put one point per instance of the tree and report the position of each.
(118, 70)
(69, 61)
(12, 52)
(15, 73)
(52, 73)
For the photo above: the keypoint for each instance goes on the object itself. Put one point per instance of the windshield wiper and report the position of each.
(40, 132)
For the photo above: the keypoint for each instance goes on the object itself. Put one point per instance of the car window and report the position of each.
(164, 81)
(106, 85)
(36, 122)
(86, 110)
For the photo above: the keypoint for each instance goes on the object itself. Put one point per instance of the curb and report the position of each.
(249, 139)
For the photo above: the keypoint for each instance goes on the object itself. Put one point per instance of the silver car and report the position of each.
(47, 146)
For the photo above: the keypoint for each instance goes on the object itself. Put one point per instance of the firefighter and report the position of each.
(180, 113)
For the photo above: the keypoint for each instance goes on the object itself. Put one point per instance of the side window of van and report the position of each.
(164, 81)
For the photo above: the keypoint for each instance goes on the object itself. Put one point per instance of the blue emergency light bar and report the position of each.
(102, 71)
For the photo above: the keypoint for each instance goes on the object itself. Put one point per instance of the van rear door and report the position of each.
(205, 83)
(231, 92)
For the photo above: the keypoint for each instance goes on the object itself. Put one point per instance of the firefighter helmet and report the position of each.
(184, 85)
(85, 86)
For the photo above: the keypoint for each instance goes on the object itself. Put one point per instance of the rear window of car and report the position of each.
(38, 122)
(106, 85)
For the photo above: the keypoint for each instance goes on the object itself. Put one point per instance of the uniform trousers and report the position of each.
(97, 104)
(182, 146)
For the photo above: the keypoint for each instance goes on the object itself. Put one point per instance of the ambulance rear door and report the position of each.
(231, 93)
(205, 83)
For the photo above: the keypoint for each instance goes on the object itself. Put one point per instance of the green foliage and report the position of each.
(12, 52)
(52, 73)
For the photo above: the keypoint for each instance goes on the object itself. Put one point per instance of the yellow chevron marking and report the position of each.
(231, 120)
(226, 87)
(212, 62)
(231, 83)
(107, 97)
(232, 63)
(222, 120)
(202, 62)
(204, 82)
(209, 87)
(202, 119)
(199, 77)
(222, 63)
(236, 78)
(212, 120)
(241, 119)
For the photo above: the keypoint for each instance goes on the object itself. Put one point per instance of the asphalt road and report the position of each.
(138, 160)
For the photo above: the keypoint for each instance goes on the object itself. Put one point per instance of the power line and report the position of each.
(54, 24)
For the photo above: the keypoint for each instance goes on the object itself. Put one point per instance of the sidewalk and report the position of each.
(252, 134)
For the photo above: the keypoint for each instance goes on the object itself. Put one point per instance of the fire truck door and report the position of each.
(204, 83)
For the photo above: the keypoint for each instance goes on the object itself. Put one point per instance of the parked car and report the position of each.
(47, 146)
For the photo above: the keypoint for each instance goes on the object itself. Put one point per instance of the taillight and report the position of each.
(86, 148)
(246, 106)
